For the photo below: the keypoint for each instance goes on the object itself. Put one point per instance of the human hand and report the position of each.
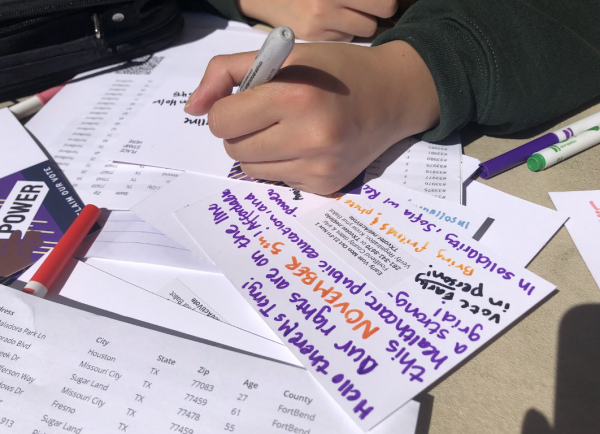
(331, 110)
(321, 20)
(15, 253)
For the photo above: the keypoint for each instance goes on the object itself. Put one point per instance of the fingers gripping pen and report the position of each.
(268, 61)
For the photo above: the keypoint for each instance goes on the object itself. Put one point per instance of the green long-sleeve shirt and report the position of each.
(505, 65)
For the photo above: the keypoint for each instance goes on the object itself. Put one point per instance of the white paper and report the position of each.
(67, 370)
(469, 166)
(158, 209)
(165, 136)
(434, 169)
(18, 149)
(177, 292)
(212, 288)
(379, 192)
(583, 209)
(520, 228)
(94, 286)
(345, 330)
(126, 237)
(76, 126)
(385, 270)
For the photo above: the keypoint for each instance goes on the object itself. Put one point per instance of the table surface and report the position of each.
(542, 375)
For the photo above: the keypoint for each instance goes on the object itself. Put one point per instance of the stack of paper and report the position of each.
(362, 292)
(68, 370)
(429, 168)
(394, 286)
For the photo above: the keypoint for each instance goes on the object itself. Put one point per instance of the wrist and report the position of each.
(258, 9)
(411, 102)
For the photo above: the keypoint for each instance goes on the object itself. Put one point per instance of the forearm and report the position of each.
(505, 65)
(402, 90)
(225, 8)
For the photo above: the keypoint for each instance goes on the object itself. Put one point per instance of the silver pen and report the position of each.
(268, 61)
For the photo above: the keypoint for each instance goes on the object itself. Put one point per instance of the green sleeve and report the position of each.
(224, 8)
(505, 64)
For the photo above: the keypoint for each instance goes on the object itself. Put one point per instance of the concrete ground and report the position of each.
(543, 375)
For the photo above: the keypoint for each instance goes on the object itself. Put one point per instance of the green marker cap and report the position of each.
(536, 162)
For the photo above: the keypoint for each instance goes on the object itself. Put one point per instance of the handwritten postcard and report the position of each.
(451, 295)
(520, 228)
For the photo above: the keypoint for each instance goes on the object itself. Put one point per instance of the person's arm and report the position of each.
(311, 20)
(335, 107)
(322, 20)
(505, 65)
(224, 8)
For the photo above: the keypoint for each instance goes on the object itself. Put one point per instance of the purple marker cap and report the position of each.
(516, 156)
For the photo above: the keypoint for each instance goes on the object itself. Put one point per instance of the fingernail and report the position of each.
(192, 98)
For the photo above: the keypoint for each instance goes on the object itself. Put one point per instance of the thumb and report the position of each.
(221, 75)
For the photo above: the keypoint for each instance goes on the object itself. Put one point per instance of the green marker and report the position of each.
(563, 150)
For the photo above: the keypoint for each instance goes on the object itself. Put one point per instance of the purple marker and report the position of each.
(522, 153)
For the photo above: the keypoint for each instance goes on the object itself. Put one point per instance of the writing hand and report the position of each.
(331, 110)
(321, 20)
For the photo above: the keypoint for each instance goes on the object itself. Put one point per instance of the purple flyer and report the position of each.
(37, 206)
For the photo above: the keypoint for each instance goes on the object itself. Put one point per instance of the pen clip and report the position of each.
(97, 31)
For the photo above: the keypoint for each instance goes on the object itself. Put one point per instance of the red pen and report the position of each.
(59, 257)
(35, 103)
